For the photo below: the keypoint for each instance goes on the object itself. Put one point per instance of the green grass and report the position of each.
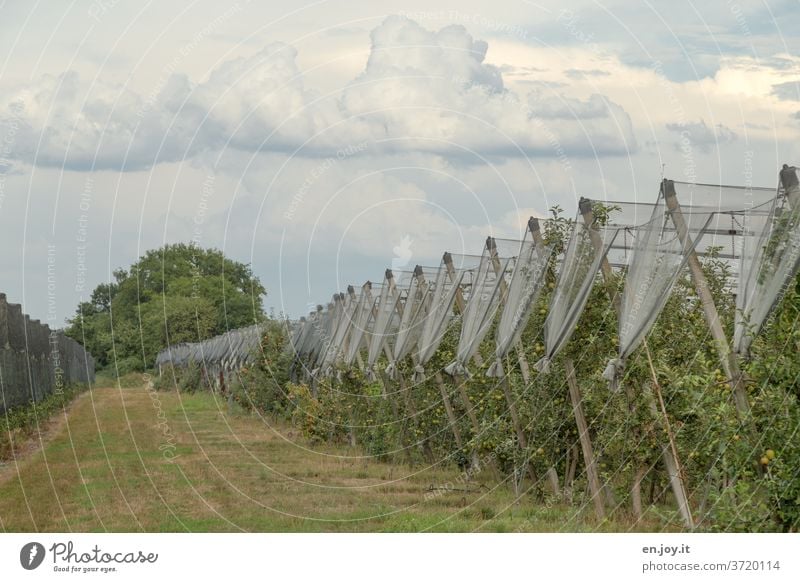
(104, 468)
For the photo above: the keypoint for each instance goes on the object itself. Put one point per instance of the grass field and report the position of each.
(128, 459)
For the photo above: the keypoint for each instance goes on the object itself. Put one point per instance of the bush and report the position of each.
(263, 385)
(20, 423)
(186, 379)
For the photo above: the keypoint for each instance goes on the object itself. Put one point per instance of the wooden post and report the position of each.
(517, 424)
(569, 479)
(592, 475)
(636, 491)
(727, 358)
(447, 259)
(460, 383)
(675, 477)
(585, 207)
(427, 453)
(536, 231)
(449, 409)
(670, 455)
(552, 480)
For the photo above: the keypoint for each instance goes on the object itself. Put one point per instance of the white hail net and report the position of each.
(382, 313)
(413, 311)
(769, 265)
(339, 323)
(521, 294)
(437, 316)
(309, 337)
(361, 315)
(481, 306)
(316, 338)
(328, 328)
(580, 266)
(656, 260)
(754, 231)
(297, 335)
(724, 237)
(325, 333)
(227, 351)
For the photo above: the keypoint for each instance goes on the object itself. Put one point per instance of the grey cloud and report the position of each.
(562, 107)
(583, 73)
(703, 136)
(789, 91)
(687, 39)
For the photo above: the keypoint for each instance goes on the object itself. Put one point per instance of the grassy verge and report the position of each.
(131, 459)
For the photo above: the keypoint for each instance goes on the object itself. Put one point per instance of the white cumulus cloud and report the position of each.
(420, 90)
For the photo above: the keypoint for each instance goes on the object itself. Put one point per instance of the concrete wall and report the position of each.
(36, 361)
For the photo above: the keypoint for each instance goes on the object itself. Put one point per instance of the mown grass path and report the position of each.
(130, 459)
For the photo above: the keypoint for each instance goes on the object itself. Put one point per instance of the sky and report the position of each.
(325, 141)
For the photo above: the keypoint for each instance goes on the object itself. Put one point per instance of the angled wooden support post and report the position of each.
(592, 474)
(727, 357)
(408, 400)
(536, 231)
(451, 416)
(461, 386)
(672, 464)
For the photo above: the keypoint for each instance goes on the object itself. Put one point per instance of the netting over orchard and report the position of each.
(753, 231)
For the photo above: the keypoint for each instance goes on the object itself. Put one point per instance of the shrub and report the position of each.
(22, 422)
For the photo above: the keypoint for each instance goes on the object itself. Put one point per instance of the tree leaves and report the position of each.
(178, 293)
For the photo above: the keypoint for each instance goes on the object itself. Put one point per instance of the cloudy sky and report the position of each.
(324, 141)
